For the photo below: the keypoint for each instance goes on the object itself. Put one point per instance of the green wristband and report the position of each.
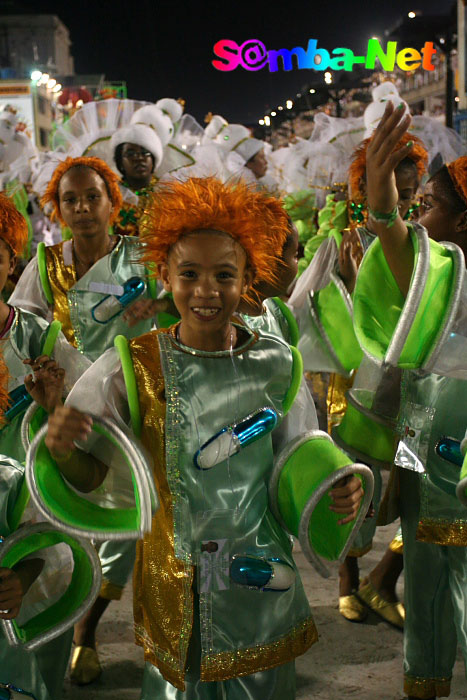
(387, 218)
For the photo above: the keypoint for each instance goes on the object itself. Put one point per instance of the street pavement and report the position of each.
(350, 660)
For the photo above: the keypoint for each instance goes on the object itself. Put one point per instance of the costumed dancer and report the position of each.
(418, 324)
(25, 338)
(37, 581)
(88, 284)
(332, 275)
(197, 571)
(137, 152)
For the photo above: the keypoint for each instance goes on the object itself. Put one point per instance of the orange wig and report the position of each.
(254, 219)
(357, 169)
(110, 178)
(458, 172)
(13, 226)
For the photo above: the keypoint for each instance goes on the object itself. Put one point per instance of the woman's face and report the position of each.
(258, 164)
(440, 221)
(138, 163)
(85, 204)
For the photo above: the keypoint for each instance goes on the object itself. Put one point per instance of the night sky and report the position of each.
(164, 49)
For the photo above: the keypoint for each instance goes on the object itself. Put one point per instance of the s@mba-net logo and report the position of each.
(252, 55)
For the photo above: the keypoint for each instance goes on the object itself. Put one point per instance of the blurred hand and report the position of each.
(46, 384)
(381, 162)
(11, 594)
(348, 266)
(65, 426)
(144, 309)
(347, 496)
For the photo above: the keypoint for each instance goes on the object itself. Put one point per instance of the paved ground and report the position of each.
(350, 661)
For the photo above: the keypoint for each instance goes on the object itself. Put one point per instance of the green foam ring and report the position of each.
(336, 318)
(366, 437)
(43, 274)
(291, 321)
(50, 339)
(79, 596)
(296, 380)
(461, 490)
(123, 349)
(304, 506)
(68, 510)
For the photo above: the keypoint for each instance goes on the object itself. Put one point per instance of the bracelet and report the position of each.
(62, 458)
(387, 218)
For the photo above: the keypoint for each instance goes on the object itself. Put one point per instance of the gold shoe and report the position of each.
(393, 613)
(351, 608)
(85, 667)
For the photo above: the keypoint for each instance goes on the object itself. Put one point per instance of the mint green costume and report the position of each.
(41, 673)
(92, 339)
(425, 335)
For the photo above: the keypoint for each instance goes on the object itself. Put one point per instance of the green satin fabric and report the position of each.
(272, 320)
(25, 340)
(116, 268)
(40, 673)
(230, 501)
(435, 596)
(275, 684)
(117, 560)
(435, 406)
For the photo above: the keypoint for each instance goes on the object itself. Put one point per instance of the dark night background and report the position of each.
(164, 49)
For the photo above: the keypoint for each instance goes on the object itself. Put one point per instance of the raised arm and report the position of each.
(384, 218)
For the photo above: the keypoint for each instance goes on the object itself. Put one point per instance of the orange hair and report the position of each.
(13, 226)
(254, 219)
(357, 169)
(110, 178)
(458, 173)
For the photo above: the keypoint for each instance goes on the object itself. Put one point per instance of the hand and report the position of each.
(348, 266)
(347, 496)
(381, 162)
(65, 426)
(11, 594)
(144, 309)
(46, 385)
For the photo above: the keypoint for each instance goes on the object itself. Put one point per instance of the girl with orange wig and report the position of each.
(95, 286)
(209, 241)
(25, 339)
(431, 352)
(74, 278)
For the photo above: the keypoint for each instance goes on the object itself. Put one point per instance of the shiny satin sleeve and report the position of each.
(299, 420)
(101, 391)
(29, 294)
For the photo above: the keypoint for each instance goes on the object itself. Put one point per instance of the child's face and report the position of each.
(207, 274)
(85, 204)
(7, 263)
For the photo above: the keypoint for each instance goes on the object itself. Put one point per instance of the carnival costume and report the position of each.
(215, 541)
(425, 336)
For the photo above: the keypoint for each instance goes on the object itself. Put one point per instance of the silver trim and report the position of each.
(25, 425)
(142, 474)
(325, 485)
(450, 314)
(279, 462)
(71, 619)
(413, 299)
